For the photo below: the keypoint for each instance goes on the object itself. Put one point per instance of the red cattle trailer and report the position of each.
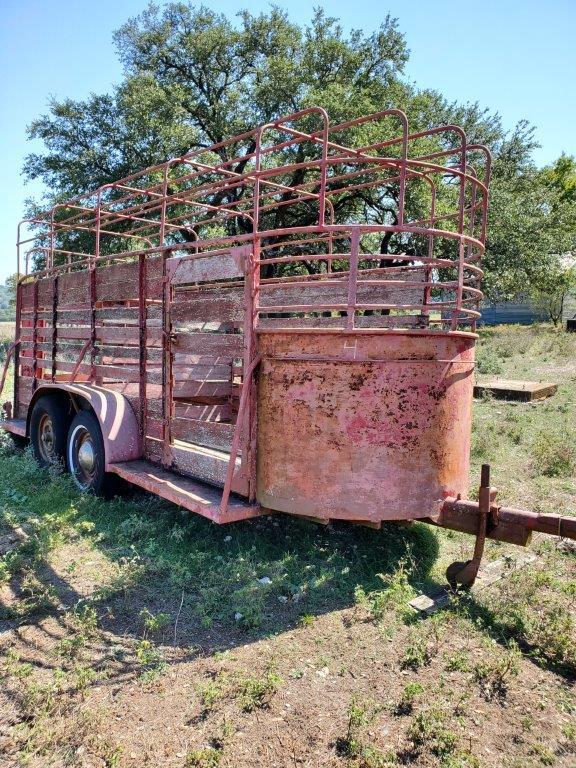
(284, 321)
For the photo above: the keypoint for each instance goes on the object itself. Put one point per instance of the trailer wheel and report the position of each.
(85, 454)
(48, 431)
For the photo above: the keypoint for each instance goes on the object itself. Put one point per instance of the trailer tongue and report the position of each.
(282, 322)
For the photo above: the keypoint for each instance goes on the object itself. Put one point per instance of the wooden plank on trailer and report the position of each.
(200, 326)
(25, 389)
(193, 372)
(117, 281)
(82, 316)
(66, 332)
(212, 371)
(213, 434)
(207, 305)
(122, 314)
(46, 292)
(73, 288)
(360, 321)
(212, 413)
(336, 292)
(154, 428)
(217, 344)
(125, 373)
(207, 464)
(128, 335)
(26, 295)
(199, 269)
(125, 354)
(181, 360)
(153, 449)
(199, 390)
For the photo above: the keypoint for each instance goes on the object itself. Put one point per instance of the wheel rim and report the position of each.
(82, 457)
(47, 439)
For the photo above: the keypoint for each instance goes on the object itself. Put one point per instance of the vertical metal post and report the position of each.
(93, 294)
(403, 163)
(142, 353)
(323, 172)
(251, 421)
(459, 291)
(35, 336)
(54, 325)
(427, 291)
(167, 383)
(17, 336)
(353, 278)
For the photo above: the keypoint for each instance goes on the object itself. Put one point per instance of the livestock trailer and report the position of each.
(284, 321)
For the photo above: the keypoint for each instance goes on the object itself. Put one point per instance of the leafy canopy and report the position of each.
(193, 77)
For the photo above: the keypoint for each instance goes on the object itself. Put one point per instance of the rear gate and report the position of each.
(208, 309)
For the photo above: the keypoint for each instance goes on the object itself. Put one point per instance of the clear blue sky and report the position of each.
(516, 57)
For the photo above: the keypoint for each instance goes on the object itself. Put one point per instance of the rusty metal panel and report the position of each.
(371, 428)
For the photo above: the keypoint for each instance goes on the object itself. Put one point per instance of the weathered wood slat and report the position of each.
(46, 292)
(153, 449)
(25, 390)
(204, 413)
(360, 321)
(202, 372)
(194, 372)
(27, 295)
(207, 464)
(154, 428)
(205, 360)
(213, 434)
(73, 289)
(203, 391)
(117, 281)
(217, 344)
(128, 335)
(201, 326)
(209, 305)
(336, 292)
(199, 269)
(127, 373)
(124, 353)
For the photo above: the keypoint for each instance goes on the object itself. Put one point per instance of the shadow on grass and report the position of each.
(216, 586)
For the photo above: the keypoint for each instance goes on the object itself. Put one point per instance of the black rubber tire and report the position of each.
(85, 431)
(48, 431)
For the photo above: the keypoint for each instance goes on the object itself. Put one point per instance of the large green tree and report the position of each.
(193, 77)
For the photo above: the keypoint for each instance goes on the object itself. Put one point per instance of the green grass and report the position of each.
(136, 587)
(153, 542)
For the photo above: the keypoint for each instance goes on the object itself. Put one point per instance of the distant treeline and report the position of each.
(7, 310)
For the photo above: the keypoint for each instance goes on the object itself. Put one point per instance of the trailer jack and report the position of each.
(486, 519)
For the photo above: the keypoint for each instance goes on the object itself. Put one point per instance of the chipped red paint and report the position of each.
(382, 436)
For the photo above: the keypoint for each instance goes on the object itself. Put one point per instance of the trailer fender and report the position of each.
(114, 413)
